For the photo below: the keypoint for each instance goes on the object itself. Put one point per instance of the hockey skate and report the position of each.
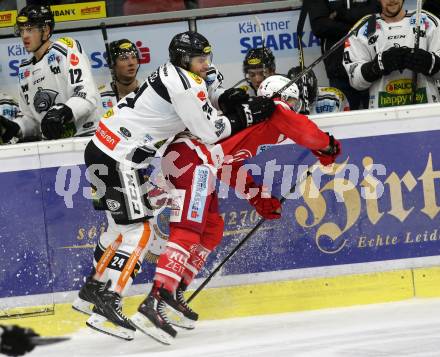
(87, 296)
(109, 309)
(151, 318)
(179, 312)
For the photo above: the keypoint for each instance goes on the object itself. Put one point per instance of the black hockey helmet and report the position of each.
(259, 58)
(123, 46)
(311, 82)
(34, 15)
(186, 45)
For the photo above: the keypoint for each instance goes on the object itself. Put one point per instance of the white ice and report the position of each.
(407, 328)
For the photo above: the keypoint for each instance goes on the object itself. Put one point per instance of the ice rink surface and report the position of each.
(408, 328)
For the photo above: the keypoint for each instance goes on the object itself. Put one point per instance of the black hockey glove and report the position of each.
(58, 122)
(256, 110)
(422, 61)
(231, 98)
(384, 63)
(16, 341)
(8, 130)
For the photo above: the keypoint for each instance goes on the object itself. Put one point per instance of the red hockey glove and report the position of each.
(267, 206)
(328, 155)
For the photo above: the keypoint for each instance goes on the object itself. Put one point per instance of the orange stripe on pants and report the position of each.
(107, 256)
(134, 257)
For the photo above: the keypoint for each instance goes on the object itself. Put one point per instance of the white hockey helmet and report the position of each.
(274, 83)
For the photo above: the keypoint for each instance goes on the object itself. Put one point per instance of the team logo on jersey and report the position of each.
(67, 41)
(112, 204)
(74, 60)
(194, 76)
(44, 99)
(201, 95)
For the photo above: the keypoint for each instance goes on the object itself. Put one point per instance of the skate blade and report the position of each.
(82, 306)
(145, 326)
(98, 323)
(179, 320)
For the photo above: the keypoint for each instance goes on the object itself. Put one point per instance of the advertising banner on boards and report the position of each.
(372, 208)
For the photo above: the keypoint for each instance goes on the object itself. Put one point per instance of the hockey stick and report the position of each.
(251, 233)
(416, 47)
(332, 49)
(109, 57)
(299, 36)
(43, 341)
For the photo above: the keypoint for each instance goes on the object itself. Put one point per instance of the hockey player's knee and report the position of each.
(213, 233)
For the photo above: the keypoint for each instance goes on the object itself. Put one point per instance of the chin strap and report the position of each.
(41, 40)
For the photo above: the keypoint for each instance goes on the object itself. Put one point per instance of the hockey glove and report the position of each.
(384, 63)
(328, 155)
(58, 122)
(16, 341)
(422, 61)
(231, 98)
(9, 130)
(267, 206)
(256, 110)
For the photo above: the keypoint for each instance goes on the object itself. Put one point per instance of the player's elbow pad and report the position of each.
(371, 71)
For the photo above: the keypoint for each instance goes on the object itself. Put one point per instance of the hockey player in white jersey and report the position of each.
(381, 56)
(316, 99)
(58, 96)
(125, 66)
(258, 64)
(183, 94)
(9, 111)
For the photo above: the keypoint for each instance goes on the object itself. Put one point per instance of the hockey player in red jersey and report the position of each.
(180, 95)
(196, 226)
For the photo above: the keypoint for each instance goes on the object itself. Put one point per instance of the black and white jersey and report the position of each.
(246, 85)
(109, 99)
(62, 75)
(395, 88)
(170, 101)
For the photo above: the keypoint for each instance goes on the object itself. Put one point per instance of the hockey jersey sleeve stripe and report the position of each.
(183, 78)
(79, 46)
(159, 88)
(432, 18)
(59, 49)
(108, 94)
(26, 62)
(8, 101)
